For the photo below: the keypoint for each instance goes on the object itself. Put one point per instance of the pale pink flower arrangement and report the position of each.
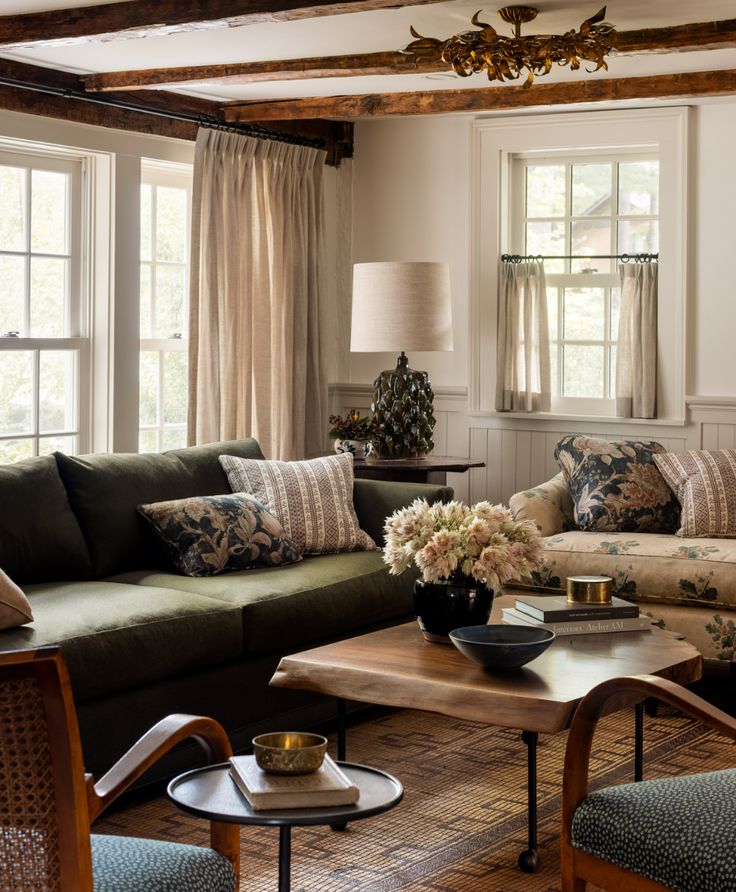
(483, 542)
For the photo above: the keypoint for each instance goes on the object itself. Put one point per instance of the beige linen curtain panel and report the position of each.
(636, 353)
(523, 380)
(257, 262)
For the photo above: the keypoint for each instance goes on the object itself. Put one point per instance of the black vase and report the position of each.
(450, 604)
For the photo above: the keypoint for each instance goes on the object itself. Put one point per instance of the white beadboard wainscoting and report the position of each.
(519, 451)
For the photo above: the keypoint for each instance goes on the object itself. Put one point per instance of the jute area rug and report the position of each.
(462, 822)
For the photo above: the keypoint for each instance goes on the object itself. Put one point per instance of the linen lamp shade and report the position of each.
(401, 306)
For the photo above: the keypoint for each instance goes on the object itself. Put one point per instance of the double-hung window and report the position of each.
(165, 212)
(582, 183)
(579, 210)
(44, 347)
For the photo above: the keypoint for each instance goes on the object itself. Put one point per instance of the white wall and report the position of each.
(713, 240)
(412, 202)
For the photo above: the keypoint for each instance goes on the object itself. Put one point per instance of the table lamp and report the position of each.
(399, 307)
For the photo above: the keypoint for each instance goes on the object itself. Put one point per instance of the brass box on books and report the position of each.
(589, 589)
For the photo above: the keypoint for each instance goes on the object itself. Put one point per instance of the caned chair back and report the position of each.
(44, 816)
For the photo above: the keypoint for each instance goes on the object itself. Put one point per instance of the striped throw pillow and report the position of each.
(705, 485)
(313, 500)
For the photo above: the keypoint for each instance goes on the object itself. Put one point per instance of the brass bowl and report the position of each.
(289, 752)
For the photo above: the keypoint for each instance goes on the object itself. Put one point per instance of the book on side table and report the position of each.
(325, 787)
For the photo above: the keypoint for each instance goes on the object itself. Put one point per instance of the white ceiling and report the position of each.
(371, 32)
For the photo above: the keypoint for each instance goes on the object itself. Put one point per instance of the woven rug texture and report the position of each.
(462, 822)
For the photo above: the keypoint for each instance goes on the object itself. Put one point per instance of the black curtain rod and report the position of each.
(201, 120)
(624, 258)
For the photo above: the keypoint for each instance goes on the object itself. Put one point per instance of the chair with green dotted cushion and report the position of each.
(47, 802)
(673, 833)
(128, 864)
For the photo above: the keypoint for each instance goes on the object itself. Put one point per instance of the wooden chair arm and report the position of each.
(608, 697)
(164, 736)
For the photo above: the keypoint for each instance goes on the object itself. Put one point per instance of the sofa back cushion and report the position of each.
(40, 538)
(106, 489)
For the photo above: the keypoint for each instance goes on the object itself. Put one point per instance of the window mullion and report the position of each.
(152, 331)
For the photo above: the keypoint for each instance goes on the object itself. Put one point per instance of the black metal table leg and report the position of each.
(341, 733)
(638, 741)
(529, 860)
(341, 746)
(284, 858)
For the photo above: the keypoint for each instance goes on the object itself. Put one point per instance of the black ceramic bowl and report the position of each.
(501, 647)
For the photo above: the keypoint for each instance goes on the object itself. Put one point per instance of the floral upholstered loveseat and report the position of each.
(688, 585)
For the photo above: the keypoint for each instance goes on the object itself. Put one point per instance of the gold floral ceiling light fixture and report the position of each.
(504, 58)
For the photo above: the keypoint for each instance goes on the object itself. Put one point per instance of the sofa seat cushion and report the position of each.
(40, 538)
(106, 489)
(653, 567)
(676, 831)
(117, 636)
(324, 596)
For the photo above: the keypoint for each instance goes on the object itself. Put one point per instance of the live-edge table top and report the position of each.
(397, 667)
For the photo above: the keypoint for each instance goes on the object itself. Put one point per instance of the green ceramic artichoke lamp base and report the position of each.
(402, 412)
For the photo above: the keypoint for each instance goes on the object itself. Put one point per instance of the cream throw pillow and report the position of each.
(313, 500)
(14, 607)
(705, 485)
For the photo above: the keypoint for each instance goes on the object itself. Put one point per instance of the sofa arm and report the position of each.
(375, 500)
(549, 505)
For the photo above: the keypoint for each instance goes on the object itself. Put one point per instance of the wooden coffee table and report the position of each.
(397, 667)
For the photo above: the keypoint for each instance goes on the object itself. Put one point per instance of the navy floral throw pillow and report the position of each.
(206, 535)
(617, 487)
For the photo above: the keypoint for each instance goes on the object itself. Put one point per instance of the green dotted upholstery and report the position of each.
(127, 864)
(679, 832)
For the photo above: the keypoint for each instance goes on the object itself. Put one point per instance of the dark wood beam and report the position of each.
(66, 100)
(359, 64)
(679, 38)
(666, 86)
(149, 18)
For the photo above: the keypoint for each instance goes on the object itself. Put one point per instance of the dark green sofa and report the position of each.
(143, 641)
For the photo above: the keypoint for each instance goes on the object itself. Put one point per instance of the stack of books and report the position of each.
(327, 786)
(554, 612)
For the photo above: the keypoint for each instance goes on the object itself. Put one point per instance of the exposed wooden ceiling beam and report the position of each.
(359, 64)
(66, 99)
(149, 18)
(680, 38)
(666, 86)
(683, 38)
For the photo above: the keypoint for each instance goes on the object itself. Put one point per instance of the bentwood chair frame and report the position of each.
(579, 867)
(75, 800)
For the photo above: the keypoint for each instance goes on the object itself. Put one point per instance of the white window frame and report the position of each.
(77, 323)
(562, 405)
(158, 173)
(495, 142)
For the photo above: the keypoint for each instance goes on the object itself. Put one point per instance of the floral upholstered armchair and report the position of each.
(597, 516)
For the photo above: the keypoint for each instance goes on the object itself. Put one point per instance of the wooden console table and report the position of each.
(430, 469)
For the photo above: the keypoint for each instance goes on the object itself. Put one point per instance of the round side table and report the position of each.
(211, 793)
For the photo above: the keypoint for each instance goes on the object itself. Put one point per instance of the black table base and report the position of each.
(528, 861)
